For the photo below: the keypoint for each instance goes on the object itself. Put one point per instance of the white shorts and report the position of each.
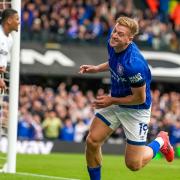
(134, 121)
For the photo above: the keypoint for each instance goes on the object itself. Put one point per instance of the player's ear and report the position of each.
(10, 19)
(131, 38)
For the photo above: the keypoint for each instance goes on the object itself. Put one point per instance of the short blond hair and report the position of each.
(132, 24)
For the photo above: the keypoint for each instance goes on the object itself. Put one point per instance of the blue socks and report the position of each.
(95, 173)
(155, 147)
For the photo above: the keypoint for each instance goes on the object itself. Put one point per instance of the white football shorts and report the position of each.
(134, 121)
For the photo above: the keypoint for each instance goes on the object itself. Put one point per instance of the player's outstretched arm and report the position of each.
(94, 69)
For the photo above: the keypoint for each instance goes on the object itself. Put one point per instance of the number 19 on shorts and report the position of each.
(143, 128)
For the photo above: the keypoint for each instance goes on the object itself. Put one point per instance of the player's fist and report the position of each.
(88, 69)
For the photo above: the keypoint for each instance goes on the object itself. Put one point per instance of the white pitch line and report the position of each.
(44, 176)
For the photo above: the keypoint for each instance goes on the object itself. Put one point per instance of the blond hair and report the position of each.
(130, 23)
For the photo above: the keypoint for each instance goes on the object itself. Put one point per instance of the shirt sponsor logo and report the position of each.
(136, 78)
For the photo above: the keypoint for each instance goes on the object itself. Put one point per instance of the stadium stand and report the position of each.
(85, 22)
(72, 111)
(92, 21)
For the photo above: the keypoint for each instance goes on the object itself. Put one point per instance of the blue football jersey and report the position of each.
(129, 69)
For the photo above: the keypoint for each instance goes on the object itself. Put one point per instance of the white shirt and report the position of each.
(79, 131)
(5, 47)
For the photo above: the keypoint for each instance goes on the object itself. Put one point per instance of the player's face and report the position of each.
(120, 36)
(14, 22)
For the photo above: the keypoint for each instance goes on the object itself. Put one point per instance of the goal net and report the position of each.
(9, 100)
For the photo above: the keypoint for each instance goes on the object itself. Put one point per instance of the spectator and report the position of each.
(175, 133)
(67, 131)
(51, 125)
(80, 130)
(26, 129)
(72, 112)
(38, 131)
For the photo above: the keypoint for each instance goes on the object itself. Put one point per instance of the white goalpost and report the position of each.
(10, 166)
(14, 94)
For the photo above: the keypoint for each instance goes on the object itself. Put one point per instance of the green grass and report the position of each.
(74, 166)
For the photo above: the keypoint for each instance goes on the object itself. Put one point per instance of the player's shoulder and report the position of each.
(135, 57)
(135, 66)
(135, 63)
(135, 53)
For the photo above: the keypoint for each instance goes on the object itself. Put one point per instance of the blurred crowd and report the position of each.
(54, 114)
(93, 20)
(66, 113)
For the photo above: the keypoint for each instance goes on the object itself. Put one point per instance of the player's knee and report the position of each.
(92, 142)
(133, 166)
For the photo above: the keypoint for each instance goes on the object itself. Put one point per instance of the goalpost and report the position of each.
(10, 166)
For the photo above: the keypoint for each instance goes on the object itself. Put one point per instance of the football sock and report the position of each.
(95, 173)
(160, 141)
(156, 145)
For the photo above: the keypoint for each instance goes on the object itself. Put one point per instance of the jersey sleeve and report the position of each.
(135, 74)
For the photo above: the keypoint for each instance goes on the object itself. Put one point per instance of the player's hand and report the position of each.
(2, 69)
(2, 85)
(102, 102)
(88, 69)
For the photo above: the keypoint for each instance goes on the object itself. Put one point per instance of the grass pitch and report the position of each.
(73, 166)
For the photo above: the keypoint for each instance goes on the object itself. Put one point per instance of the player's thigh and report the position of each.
(99, 131)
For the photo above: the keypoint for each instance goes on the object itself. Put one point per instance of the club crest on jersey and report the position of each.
(120, 69)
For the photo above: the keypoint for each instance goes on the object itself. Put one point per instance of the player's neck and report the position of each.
(120, 48)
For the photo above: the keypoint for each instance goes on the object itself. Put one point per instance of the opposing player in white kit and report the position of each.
(9, 22)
